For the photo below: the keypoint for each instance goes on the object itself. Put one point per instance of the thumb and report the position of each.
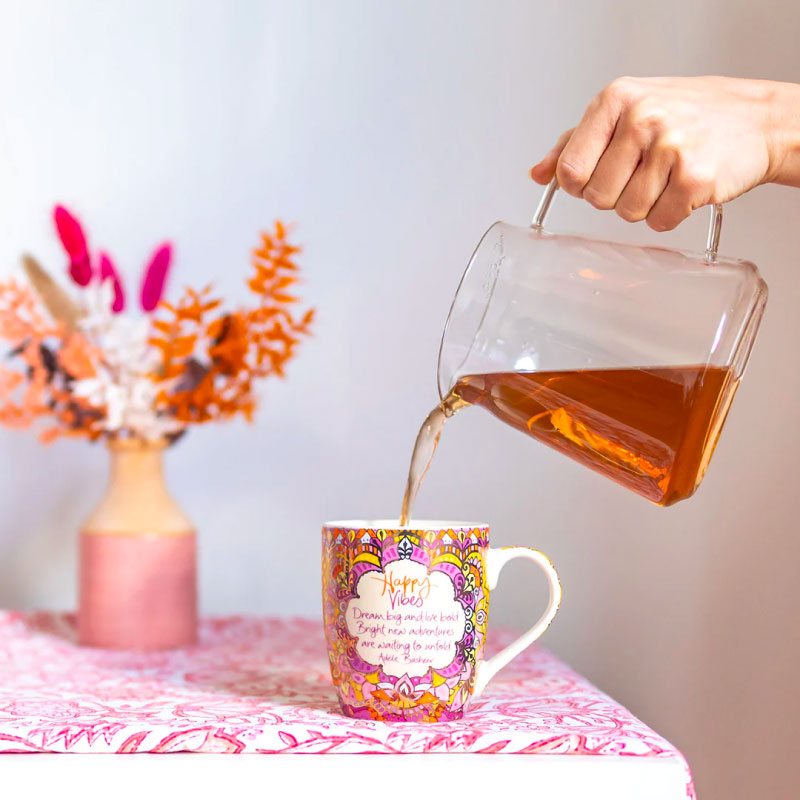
(544, 171)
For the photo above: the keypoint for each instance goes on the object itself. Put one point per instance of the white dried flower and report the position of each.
(122, 382)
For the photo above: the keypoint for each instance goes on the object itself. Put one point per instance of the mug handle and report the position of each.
(496, 559)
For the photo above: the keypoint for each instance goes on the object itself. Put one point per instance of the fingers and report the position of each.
(543, 171)
(668, 211)
(590, 139)
(614, 169)
(636, 153)
(689, 187)
(645, 186)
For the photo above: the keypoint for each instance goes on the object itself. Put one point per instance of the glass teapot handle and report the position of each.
(714, 226)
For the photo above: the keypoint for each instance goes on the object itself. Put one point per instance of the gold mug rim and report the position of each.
(394, 525)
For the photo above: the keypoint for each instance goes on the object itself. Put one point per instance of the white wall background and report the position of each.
(394, 133)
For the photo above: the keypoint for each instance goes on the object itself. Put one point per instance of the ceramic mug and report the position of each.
(406, 611)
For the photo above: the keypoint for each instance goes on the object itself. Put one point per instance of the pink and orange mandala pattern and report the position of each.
(365, 690)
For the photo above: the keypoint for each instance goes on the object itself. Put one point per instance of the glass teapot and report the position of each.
(625, 358)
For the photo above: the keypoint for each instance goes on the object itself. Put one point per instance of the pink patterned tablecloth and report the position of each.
(262, 685)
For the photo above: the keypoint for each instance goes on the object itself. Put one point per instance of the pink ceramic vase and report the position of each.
(138, 584)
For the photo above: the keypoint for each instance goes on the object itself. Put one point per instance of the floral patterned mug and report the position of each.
(406, 611)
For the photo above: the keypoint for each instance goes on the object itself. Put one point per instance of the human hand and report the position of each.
(658, 148)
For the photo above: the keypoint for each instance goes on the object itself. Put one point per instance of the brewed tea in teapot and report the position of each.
(624, 358)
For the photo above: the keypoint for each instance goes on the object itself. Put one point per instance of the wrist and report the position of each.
(781, 128)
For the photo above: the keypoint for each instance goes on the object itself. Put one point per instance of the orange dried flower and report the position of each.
(49, 355)
(209, 366)
(21, 314)
(75, 357)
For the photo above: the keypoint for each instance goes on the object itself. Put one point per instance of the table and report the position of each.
(260, 685)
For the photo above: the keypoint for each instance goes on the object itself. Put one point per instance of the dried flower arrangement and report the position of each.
(90, 369)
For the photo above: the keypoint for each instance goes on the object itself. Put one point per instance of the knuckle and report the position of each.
(672, 143)
(572, 176)
(694, 179)
(630, 213)
(645, 121)
(598, 198)
(667, 219)
(621, 88)
(659, 223)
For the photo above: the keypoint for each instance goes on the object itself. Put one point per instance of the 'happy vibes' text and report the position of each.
(404, 591)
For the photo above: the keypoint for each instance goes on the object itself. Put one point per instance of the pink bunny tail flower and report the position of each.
(70, 232)
(155, 277)
(108, 272)
(74, 241)
(81, 271)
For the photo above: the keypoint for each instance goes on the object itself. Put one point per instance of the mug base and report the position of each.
(414, 714)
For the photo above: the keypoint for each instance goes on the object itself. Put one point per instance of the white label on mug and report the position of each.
(406, 619)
